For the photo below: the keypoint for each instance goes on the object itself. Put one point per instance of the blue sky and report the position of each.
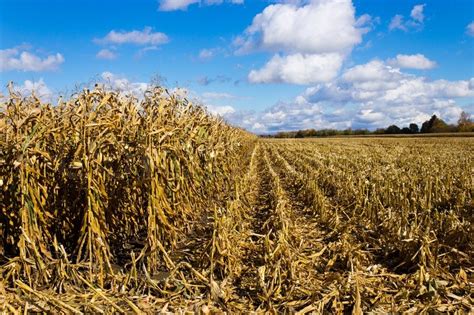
(263, 65)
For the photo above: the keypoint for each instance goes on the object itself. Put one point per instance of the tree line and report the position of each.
(433, 125)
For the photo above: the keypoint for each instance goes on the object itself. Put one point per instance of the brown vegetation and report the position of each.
(113, 204)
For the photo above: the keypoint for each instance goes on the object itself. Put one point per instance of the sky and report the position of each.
(263, 65)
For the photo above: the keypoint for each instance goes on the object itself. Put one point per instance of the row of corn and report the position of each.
(104, 193)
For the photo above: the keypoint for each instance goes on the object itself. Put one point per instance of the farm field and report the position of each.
(110, 204)
(371, 224)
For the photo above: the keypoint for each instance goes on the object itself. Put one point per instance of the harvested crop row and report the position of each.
(260, 278)
(364, 237)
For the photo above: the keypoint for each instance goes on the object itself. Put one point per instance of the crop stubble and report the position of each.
(114, 204)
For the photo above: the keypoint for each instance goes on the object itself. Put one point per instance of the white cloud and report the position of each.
(106, 54)
(206, 54)
(223, 111)
(15, 59)
(417, 61)
(319, 27)
(387, 96)
(145, 37)
(363, 20)
(370, 95)
(310, 40)
(397, 22)
(470, 29)
(417, 13)
(372, 71)
(298, 69)
(143, 51)
(173, 5)
(213, 102)
(217, 96)
(366, 22)
(414, 23)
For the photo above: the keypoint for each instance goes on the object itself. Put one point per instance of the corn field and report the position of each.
(113, 204)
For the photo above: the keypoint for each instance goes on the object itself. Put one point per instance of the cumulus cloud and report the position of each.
(173, 5)
(106, 54)
(298, 114)
(145, 37)
(371, 95)
(318, 27)
(372, 71)
(470, 29)
(415, 22)
(390, 96)
(417, 61)
(22, 60)
(298, 69)
(310, 40)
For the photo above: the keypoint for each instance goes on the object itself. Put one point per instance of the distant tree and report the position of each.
(406, 130)
(311, 133)
(428, 125)
(435, 124)
(328, 132)
(299, 134)
(414, 128)
(283, 134)
(465, 123)
(393, 129)
(379, 131)
(361, 132)
(440, 126)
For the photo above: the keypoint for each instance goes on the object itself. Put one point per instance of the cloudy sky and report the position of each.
(263, 65)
